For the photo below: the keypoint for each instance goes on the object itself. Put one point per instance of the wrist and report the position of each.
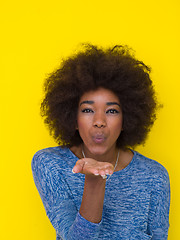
(95, 182)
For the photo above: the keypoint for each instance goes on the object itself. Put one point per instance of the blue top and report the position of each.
(136, 203)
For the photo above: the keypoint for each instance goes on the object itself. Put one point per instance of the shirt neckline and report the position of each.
(120, 171)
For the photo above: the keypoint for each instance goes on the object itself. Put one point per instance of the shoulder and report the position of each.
(47, 154)
(52, 158)
(152, 169)
(57, 151)
(149, 164)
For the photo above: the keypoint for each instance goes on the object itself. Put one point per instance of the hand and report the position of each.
(92, 167)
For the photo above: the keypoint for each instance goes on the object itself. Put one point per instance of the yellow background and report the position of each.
(35, 35)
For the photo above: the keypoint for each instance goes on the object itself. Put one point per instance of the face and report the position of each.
(99, 121)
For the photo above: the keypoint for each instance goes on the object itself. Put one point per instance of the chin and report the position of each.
(98, 150)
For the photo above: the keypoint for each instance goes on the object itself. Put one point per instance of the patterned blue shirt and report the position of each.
(136, 202)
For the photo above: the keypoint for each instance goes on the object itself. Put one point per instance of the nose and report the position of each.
(99, 120)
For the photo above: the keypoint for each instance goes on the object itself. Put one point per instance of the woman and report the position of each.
(99, 105)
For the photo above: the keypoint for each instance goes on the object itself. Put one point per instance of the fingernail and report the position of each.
(97, 174)
(104, 176)
(73, 171)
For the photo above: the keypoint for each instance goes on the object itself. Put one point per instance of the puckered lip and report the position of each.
(99, 137)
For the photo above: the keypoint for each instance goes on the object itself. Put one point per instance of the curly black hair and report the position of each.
(92, 67)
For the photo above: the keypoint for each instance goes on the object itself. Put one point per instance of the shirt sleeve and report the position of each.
(159, 215)
(58, 202)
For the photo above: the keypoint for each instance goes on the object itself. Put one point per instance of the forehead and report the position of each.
(101, 94)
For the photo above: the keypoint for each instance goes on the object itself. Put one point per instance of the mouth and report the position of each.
(99, 138)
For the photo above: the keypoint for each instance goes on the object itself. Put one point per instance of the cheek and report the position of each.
(83, 130)
(116, 123)
(82, 125)
(117, 127)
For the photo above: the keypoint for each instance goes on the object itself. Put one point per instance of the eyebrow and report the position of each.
(86, 102)
(112, 103)
(108, 103)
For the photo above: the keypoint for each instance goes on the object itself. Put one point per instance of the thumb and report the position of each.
(78, 168)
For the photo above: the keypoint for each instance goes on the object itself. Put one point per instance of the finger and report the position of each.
(104, 176)
(102, 172)
(106, 169)
(78, 168)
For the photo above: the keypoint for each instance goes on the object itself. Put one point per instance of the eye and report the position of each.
(86, 110)
(112, 111)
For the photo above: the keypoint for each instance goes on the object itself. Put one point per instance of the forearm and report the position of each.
(93, 198)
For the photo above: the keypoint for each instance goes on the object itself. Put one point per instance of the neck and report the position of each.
(109, 156)
(125, 156)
